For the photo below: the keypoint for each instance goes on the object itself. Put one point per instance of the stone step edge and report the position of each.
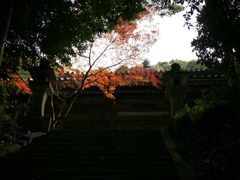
(184, 170)
(23, 141)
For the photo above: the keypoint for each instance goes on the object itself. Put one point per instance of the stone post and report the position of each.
(176, 89)
(114, 112)
(41, 87)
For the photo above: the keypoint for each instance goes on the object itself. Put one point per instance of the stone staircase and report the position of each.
(91, 155)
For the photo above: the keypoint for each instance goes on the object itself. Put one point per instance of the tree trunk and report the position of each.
(6, 18)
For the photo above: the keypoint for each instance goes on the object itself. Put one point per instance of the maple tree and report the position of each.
(107, 81)
(18, 84)
(8, 105)
(124, 45)
(22, 84)
(42, 30)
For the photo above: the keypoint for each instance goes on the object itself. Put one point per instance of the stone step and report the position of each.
(93, 155)
(141, 177)
(61, 173)
(137, 133)
(92, 159)
(52, 158)
(105, 132)
(105, 138)
(76, 153)
(67, 140)
(86, 146)
(91, 150)
(146, 159)
(34, 173)
(68, 165)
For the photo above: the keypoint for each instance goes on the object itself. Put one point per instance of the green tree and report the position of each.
(182, 63)
(161, 66)
(185, 65)
(146, 63)
(47, 30)
(217, 44)
(6, 118)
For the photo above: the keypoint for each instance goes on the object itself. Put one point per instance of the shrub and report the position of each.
(6, 117)
(219, 104)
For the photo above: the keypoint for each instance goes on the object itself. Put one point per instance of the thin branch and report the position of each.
(105, 49)
(79, 90)
(5, 31)
(84, 56)
(91, 64)
(90, 55)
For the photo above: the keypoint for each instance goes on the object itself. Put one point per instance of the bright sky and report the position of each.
(174, 42)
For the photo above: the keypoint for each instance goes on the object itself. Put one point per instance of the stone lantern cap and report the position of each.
(175, 76)
(43, 74)
(175, 67)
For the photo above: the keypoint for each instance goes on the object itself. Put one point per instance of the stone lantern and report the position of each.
(175, 81)
(41, 87)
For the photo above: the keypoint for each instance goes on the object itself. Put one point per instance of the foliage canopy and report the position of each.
(47, 30)
(218, 26)
(185, 65)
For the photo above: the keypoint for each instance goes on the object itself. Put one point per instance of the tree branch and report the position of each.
(5, 31)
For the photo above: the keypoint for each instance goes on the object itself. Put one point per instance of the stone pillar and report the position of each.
(41, 88)
(114, 112)
(176, 89)
(41, 91)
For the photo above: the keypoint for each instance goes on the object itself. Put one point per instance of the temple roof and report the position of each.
(198, 80)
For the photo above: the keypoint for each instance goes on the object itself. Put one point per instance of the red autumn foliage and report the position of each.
(125, 29)
(22, 88)
(108, 81)
(105, 80)
(128, 43)
(18, 85)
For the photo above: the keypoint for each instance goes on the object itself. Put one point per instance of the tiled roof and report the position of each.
(144, 88)
(198, 80)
